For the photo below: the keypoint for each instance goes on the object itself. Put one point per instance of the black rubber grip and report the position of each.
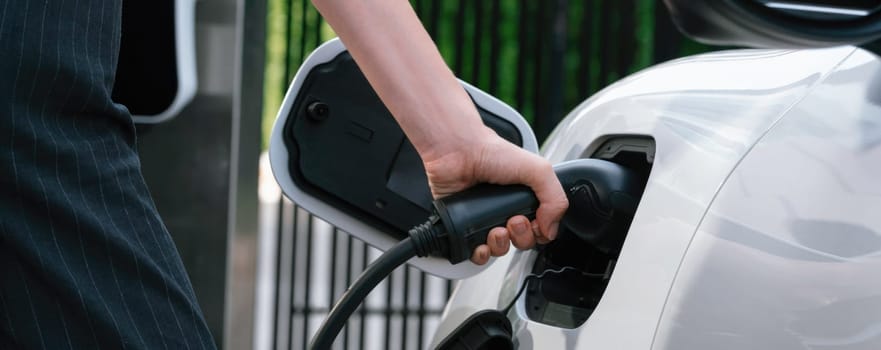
(469, 215)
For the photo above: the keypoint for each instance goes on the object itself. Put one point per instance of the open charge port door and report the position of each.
(567, 299)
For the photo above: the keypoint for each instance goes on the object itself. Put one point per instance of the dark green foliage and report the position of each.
(542, 57)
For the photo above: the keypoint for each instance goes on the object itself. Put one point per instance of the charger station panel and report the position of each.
(347, 149)
(337, 152)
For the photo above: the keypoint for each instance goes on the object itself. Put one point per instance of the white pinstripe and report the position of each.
(49, 215)
(121, 190)
(63, 323)
(34, 138)
(167, 251)
(192, 298)
(112, 270)
(107, 107)
(98, 167)
(164, 261)
(182, 276)
(27, 291)
(134, 232)
(12, 106)
(6, 313)
(15, 179)
(80, 181)
(107, 245)
(3, 19)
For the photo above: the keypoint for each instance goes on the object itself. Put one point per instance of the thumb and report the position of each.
(551, 197)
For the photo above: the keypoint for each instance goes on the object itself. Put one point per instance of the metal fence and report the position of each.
(541, 57)
(316, 262)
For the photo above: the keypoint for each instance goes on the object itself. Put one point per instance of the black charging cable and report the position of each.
(491, 328)
(540, 276)
(376, 272)
(459, 224)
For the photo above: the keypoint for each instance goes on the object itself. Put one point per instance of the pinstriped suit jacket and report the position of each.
(85, 261)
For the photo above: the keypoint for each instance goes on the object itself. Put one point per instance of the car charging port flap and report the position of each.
(567, 299)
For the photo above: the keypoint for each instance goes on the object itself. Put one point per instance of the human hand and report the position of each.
(491, 159)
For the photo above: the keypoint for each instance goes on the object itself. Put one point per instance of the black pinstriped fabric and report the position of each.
(85, 261)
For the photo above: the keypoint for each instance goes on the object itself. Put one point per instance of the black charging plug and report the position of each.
(461, 222)
(599, 190)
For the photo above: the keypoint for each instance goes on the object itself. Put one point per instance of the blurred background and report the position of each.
(541, 57)
(266, 272)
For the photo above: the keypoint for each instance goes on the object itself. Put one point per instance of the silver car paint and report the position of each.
(707, 115)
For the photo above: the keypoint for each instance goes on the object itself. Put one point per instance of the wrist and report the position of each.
(463, 142)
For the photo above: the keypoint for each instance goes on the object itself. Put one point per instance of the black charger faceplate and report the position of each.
(346, 149)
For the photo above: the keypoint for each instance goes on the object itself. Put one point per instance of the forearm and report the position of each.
(402, 64)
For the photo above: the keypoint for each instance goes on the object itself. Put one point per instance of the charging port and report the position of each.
(567, 299)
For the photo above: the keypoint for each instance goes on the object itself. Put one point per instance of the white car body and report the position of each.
(760, 225)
